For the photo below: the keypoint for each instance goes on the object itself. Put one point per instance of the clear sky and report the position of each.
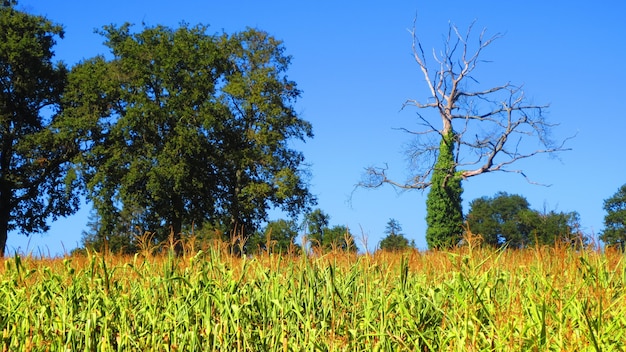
(353, 61)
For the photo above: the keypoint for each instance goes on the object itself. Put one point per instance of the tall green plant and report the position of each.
(444, 211)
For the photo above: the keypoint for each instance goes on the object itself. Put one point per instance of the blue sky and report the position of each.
(353, 61)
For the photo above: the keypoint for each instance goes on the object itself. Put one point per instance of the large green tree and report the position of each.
(506, 219)
(481, 130)
(614, 233)
(184, 128)
(36, 177)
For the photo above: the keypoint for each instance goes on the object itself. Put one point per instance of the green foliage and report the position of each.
(395, 240)
(444, 212)
(614, 233)
(326, 238)
(181, 127)
(501, 219)
(279, 237)
(119, 241)
(508, 220)
(37, 181)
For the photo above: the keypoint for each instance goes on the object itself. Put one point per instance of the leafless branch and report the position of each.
(494, 127)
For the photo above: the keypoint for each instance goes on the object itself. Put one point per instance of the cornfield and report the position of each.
(468, 299)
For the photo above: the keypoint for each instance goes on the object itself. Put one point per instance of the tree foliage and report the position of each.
(508, 220)
(278, 237)
(181, 127)
(614, 233)
(395, 240)
(37, 180)
(482, 130)
(326, 238)
(444, 212)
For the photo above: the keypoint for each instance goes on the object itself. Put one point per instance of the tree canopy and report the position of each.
(614, 233)
(37, 180)
(326, 238)
(506, 219)
(182, 127)
(395, 240)
(278, 237)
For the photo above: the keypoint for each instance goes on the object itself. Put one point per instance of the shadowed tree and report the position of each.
(480, 130)
(279, 237)
(37, 180)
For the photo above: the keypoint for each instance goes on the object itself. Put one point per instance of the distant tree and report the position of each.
(500, 219)
(614, 233)
(550, 227)
(507, 220)
(37, 180)
(188, 128)
(395, 240)
(120, 240)
(340, 238)
(316, 223)
(327, 238)
(481, 130)
(278, 237)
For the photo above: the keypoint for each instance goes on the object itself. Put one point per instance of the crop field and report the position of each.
(469, 299)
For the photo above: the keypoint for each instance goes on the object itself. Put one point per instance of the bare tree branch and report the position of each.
(494, 127)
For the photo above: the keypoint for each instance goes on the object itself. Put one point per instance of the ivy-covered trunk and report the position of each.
(444, 212)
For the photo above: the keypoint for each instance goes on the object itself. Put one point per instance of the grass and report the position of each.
(469, 299)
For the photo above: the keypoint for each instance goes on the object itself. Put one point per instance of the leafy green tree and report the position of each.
(614, 233)
(279, 237)
(316, 223)
(395, 240)
(501, 219)
(187, 128)
(508, 220)
(120, 241)
(320, 235)
(481, 130)
(37, 180)
(444, 211)
(552, 227)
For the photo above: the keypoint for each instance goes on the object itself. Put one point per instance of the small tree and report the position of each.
(279, 237)
(395, 240)
(482, 130)
(614, 233)
(328, 238)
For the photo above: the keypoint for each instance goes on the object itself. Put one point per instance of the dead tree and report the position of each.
(492, 127)
(481, 131)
